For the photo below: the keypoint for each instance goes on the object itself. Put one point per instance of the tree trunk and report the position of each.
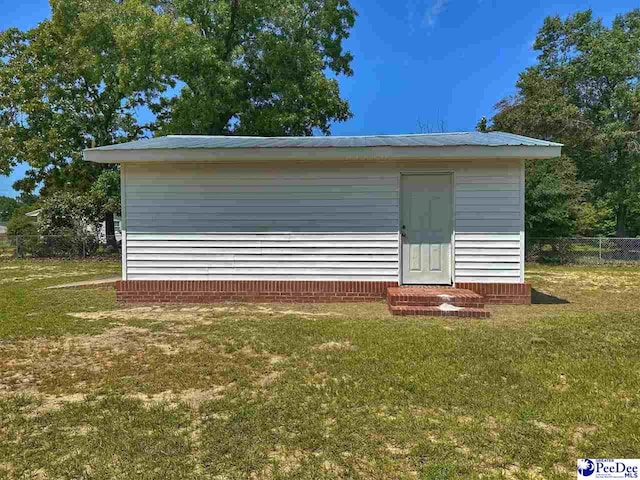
(110, 230)
(621, 220)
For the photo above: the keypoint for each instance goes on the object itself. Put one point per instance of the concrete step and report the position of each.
(441, 311)
(433, 297)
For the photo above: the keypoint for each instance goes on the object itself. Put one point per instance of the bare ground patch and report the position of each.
(333, 346)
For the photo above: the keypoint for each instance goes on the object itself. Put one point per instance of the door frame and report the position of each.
(452, 175)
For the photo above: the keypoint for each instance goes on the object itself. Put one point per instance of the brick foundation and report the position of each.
(258, 291)
(501, 293)
(288, 291)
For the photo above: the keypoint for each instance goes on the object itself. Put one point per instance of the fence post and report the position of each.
(84, 247)
(599, 250)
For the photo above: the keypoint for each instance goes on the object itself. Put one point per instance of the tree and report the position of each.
(105, 199)
(482, 125)
(8, 205)
(258, 67)
(250, 67)
(585, 92)
(76, 81)
(553, 198)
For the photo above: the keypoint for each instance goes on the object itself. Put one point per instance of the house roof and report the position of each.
(200, 147)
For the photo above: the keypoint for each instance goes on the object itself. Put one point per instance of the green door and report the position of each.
(427, 213)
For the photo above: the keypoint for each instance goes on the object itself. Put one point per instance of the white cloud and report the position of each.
(434, 11)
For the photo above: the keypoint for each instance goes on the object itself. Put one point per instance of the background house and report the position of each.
(35, 214)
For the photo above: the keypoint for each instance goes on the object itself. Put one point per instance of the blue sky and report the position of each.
(429, 62)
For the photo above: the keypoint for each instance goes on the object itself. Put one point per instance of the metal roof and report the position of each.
(489, 139)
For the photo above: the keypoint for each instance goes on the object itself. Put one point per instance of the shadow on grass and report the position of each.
(542, 298)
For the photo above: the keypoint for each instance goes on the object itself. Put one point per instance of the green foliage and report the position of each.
(75, 81)
(585, 92)
(105, 193)
(482, 125)
(20, 224)
(596, 220)
(66, 213)
(256, 67)
(552, 198)
(246, 67)
(8, 205)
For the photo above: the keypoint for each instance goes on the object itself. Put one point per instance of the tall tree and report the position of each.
(258, 67)
(584, 91)
(263, 67)
(76, 81)
(8, 205)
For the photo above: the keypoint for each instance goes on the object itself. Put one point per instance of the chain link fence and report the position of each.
(568, 251)
(58, 246)
(587, 251)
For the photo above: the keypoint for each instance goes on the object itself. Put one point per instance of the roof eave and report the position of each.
(222, 155)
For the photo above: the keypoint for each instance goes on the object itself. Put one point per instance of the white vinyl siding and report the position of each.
(489, 224)
(210, 222)
(302, 222)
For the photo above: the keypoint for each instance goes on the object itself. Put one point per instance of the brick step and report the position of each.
(433, 297)
(431, 311)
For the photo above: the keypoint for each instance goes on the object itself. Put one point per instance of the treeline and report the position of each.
(584, 92)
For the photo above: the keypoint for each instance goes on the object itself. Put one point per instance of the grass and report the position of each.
(89, 389)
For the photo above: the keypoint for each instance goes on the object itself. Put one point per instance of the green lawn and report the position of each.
(89, 389)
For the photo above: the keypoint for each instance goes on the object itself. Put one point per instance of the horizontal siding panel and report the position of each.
(483, 279)
(266, 237)
(161, 203)
(232, 188)
(222, 223)
(483, 179)
(487, 273)
(260, 263)
(231, 243)
(257, 257)
(263, 251)
(488, 208)
(499, 259)
(489, 219)
(488, 225)
(260, 208)
(266, 195)
(210, 178)
(486, 251)
(462, 266)
(487, 202)
(463, 244)
(304, 270)
(241, 276)
(487, 216)
(486, 190)
(513, 237)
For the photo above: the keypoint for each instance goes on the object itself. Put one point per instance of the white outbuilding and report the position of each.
(210, 218)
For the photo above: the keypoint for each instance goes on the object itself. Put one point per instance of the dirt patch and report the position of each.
(196, 314)
(590, 280)
(44, 276)
(552, 429)
(333, 346)
(191, 397)
(287, 459)
(579, 435)
(397, 451)
(268, 379)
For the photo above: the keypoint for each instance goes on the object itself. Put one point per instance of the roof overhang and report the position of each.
(223, 155)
